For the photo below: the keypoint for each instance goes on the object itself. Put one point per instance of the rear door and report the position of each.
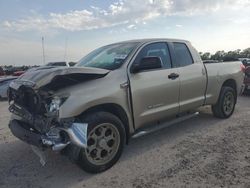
(192, 77)
(155, 96)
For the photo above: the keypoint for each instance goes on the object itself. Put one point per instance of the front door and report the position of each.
(155, 93)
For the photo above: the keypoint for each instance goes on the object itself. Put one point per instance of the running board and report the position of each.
(164, 125)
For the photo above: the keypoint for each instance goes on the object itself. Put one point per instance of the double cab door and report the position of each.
(178, 86)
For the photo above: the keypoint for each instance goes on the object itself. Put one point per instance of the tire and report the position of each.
(224, 108)
(105, 130)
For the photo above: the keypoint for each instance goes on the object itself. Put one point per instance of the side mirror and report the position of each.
(71, 64)
(147, 63)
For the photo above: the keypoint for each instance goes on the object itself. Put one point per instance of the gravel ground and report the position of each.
(200, 152)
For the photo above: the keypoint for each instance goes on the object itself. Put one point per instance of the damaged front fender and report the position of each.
(78, 134)
(31, 98)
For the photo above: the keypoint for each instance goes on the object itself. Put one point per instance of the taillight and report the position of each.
(242, 68)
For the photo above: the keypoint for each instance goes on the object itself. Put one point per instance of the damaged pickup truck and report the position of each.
(119, 91)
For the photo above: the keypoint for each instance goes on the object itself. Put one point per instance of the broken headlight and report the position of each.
(56, 102)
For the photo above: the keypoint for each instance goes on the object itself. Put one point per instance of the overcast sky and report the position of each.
(82, 25)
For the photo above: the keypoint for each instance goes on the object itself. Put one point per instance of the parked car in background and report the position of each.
(61, 64)
(210, 61)
(18, 73)
(10, 70)
(1, 72)
(15, 70)
(246, 62)
(4, 85)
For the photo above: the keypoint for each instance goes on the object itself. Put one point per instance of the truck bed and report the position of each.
(217, 74)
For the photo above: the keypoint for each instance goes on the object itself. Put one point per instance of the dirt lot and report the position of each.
(200, 152)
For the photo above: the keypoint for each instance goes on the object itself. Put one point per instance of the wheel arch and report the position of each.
(112, 108)
(230, 83)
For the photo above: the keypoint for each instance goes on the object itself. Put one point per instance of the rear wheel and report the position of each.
(106, 138)
(225, 105)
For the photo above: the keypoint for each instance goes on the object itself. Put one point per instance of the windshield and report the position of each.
(109, 57)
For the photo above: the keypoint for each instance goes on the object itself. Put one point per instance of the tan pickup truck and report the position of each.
(119, 91)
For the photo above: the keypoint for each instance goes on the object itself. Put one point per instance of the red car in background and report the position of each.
(18, 73)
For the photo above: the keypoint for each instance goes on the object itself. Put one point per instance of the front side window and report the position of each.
(109, 57)
(159, 49)
(183, 56)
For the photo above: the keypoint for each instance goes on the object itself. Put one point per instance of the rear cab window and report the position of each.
(182, 55)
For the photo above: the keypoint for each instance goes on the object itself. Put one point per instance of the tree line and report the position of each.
(226, 56)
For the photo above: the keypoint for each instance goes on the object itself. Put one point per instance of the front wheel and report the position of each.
(225, 105)
(106, 138)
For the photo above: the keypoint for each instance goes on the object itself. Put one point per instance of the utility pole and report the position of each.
(43, 50)
(65, 50)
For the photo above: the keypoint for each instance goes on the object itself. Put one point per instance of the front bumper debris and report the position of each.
(78, 134)
(39, 123)
(57, 138)
(25, 134)
(41, 154)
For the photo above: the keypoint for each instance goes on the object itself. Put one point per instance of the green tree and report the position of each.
(245, 53)
(205, 56)
(231, 55)
(218, 55)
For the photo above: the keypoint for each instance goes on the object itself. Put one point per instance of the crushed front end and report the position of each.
(35, 118)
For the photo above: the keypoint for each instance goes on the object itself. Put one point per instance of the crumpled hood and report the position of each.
(54, 78)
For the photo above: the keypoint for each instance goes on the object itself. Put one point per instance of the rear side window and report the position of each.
(159, 49)
(183, 56)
